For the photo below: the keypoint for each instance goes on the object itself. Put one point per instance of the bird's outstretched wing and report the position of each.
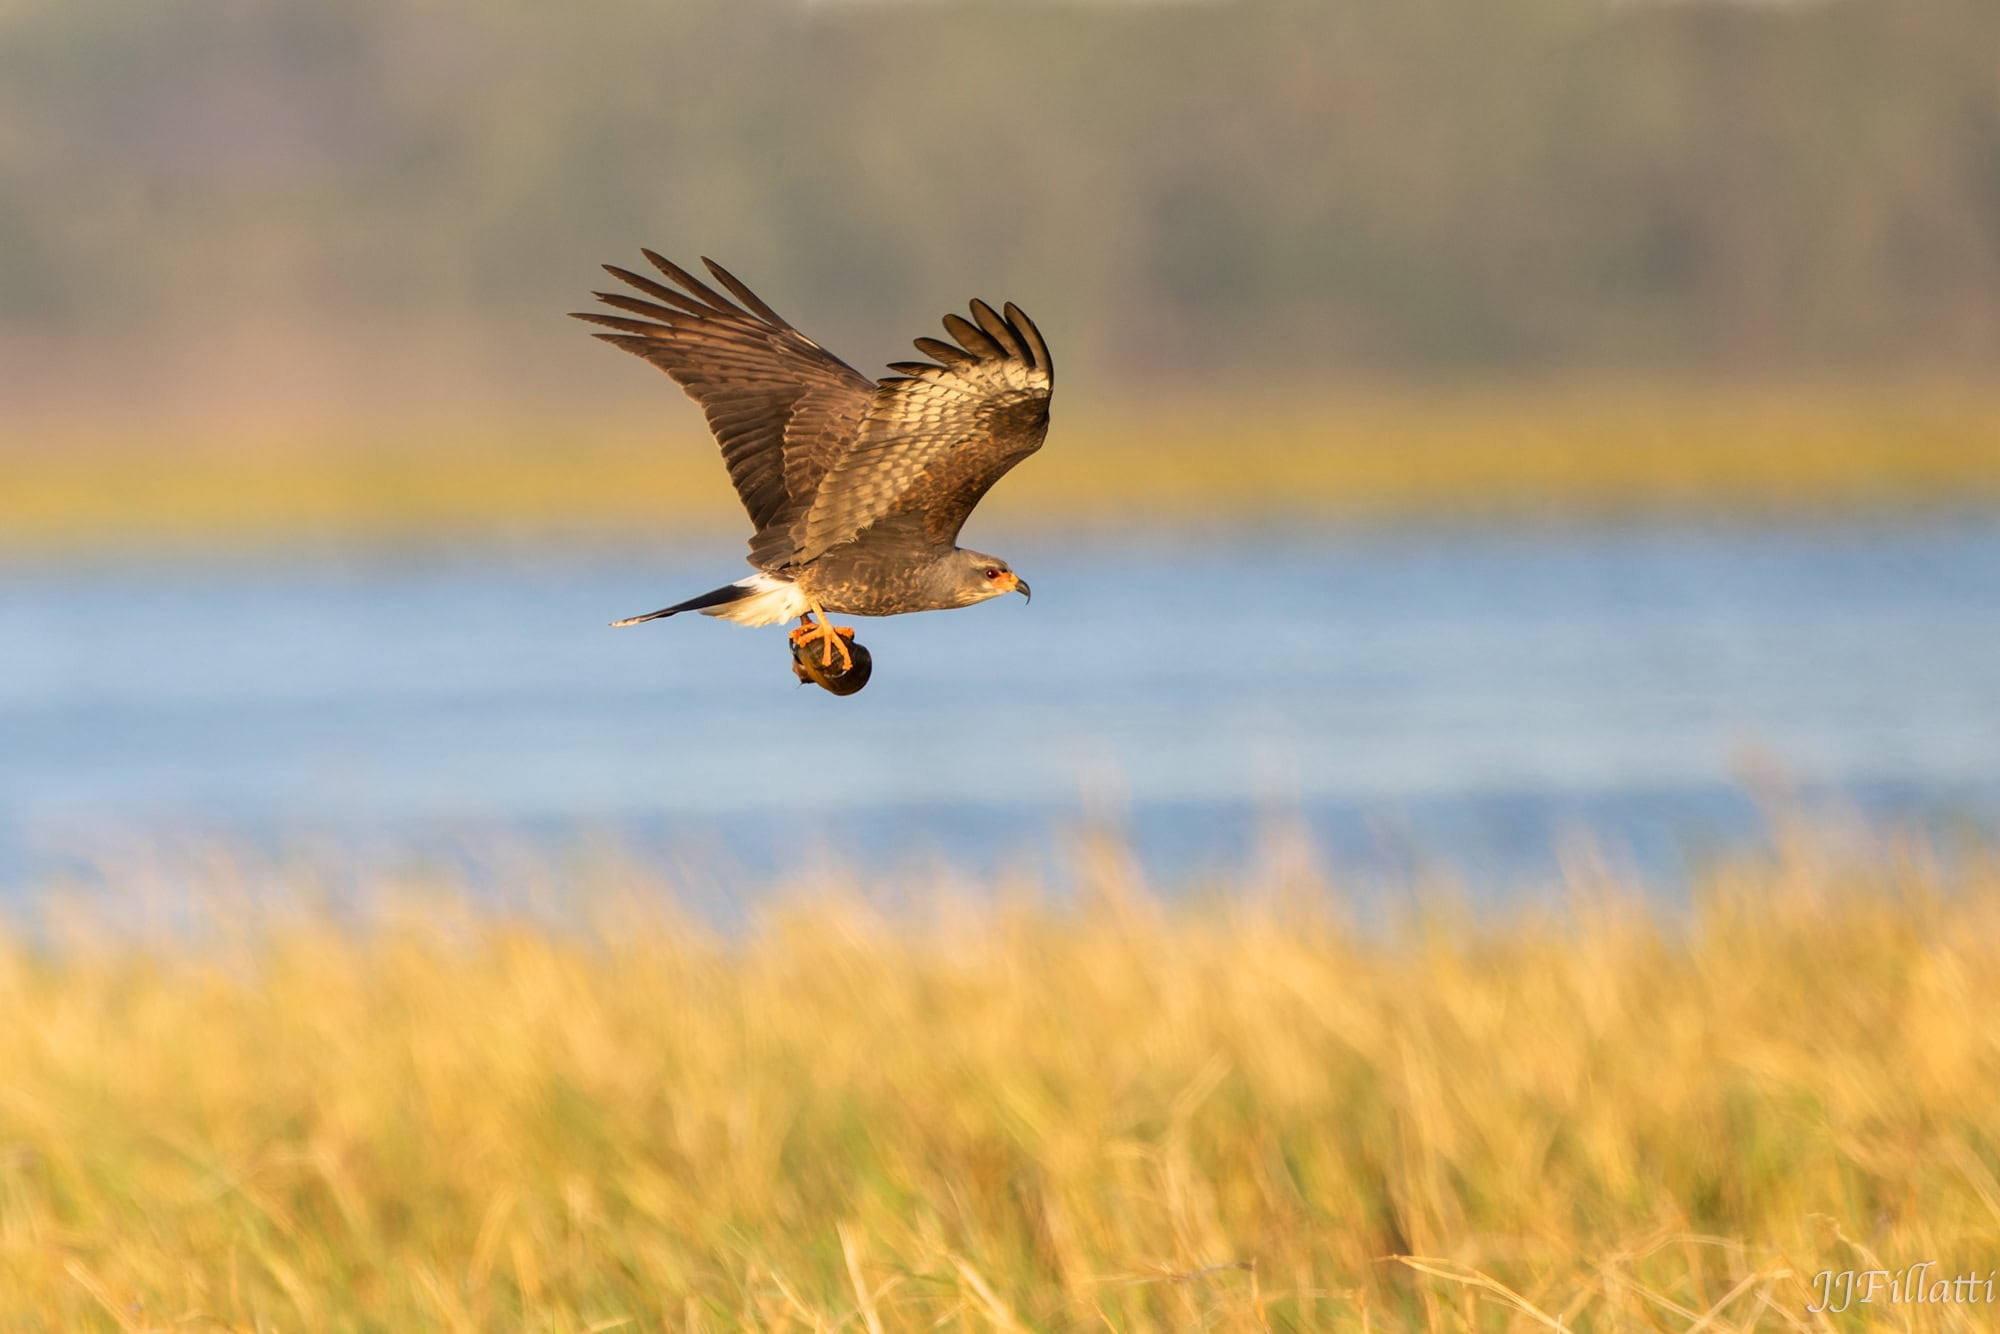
(782, 407)
(937, 434)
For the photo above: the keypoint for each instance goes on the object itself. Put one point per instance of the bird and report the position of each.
(856, 488)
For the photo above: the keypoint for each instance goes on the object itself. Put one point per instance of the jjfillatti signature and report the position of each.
(1839, 1289)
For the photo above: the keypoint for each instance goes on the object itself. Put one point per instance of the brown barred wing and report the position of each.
(782, 407)
(937, 435)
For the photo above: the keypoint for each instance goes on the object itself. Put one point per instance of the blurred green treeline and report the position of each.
(1266, 189)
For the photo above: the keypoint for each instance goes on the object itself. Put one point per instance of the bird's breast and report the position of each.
(866, 586)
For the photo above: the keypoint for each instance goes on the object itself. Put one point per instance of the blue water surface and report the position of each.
(1466, 702)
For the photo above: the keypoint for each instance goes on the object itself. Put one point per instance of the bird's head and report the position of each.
(976, 577)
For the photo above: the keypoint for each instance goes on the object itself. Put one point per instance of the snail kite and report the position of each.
(857, 488)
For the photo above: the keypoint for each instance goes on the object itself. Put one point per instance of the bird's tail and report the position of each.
(726, 594)
(766, 600)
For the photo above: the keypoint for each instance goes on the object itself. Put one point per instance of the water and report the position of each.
(1463, 701)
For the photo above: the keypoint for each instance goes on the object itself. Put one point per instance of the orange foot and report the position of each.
(833, 639)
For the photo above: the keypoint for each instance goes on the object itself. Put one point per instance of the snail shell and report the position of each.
(835, 678)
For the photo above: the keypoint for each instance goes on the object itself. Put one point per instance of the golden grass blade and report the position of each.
(850, 1249)
(995, 1308)
(1714, 1313)
(1472, 1278)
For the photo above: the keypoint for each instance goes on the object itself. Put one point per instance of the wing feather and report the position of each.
(937, 436)
(639, 327)
(701, 290)
(652, 310)
(750, 299)
(1031, 337)
(782, 408)
(996, 329)
(973, 338)
(680, 301)
(945, 354)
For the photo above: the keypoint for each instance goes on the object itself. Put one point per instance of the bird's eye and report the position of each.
(992, 574)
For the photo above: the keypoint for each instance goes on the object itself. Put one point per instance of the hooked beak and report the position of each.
(1021, 587)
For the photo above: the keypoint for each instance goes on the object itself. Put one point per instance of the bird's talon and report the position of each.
(832, 639)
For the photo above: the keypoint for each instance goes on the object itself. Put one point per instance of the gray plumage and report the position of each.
(856, 488)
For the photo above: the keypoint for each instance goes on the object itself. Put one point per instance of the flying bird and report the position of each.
(856, 488)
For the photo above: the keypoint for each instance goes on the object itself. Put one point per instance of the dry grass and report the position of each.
(1588, 451)
(1228, 1114)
